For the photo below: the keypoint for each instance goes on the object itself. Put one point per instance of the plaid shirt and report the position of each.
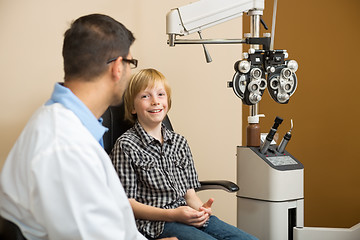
(152, 173)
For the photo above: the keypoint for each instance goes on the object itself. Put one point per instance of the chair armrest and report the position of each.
(9, 230)
(218, 184)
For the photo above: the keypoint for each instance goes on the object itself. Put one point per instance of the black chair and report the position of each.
(9, 230)
(113, 119)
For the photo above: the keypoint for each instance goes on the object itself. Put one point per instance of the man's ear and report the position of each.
(117, 68)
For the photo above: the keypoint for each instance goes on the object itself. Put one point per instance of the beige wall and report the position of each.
(204, 110)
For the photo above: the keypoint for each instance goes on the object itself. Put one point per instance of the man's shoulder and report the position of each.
(55, 122)
(56, 111)
(52, 117)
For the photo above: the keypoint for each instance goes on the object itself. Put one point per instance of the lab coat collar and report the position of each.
(68, 99)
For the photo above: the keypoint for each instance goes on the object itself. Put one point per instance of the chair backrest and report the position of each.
(114, 119)
(9, 230)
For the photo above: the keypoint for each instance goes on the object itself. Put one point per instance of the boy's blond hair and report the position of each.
(139, 82)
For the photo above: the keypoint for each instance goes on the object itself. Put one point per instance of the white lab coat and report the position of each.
(59, 183)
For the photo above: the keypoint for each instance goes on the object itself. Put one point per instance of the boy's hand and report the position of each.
(206, 207)
(190, 216)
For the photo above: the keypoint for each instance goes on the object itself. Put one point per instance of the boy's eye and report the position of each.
(161, 94)
(144, 96)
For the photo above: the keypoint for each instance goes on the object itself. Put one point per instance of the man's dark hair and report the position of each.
(90, 42)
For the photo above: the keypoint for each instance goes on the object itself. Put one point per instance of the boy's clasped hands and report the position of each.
(190, 216)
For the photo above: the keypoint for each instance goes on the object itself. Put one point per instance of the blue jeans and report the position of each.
(216, 229)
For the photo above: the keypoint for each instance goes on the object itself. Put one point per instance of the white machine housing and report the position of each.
(267, 183)
(270, 201)
(200, 15)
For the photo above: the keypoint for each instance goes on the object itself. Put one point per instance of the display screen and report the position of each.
(282, 160)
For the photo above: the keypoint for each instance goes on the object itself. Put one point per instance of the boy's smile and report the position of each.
(156, 111)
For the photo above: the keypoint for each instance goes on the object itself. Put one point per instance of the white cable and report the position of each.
(273, 26)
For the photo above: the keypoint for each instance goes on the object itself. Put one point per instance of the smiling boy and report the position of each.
(157, 171)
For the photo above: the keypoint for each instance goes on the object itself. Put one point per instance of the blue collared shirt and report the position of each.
(68, 99)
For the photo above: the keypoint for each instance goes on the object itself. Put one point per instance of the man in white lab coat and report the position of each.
(58, 182)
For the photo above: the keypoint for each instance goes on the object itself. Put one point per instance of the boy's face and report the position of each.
(151, 106)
